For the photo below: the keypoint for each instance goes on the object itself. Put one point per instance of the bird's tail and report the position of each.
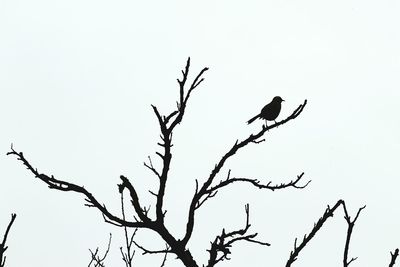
(253, 119)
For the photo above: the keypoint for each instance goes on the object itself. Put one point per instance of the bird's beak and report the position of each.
(283, 100)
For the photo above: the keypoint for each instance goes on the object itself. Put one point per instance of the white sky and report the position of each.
(77, 79)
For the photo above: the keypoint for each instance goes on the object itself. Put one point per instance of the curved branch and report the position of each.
(220, 247)
(257, 184)
(205, 187)
(212, 191)
(60, 185)
(134, 198)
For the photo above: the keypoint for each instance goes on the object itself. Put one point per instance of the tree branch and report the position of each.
(148, 251)
(317, 226)
(256, 183)
(151, 167)
(393, 258)
(350, 225)
(60, 185)
(96, 260)
(220, 247)
(167, 125)
(204, 190)
(134, 199)
(128, 256)
(165, 256)
(183, 99)
(328, 213)
(3, 246)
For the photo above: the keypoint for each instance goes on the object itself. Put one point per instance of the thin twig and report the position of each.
(165, 256)
(97, 260)
(220, 247)
(3, 246)
(128, 256)
(151, 167)
(149, 251)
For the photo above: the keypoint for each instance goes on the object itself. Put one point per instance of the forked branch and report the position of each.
(127, 256)
(350, 225)
(61, 185)
(97, 260)
(220, 247)
(167, 124)
(393, 257)
(206, 190)
(317, 226)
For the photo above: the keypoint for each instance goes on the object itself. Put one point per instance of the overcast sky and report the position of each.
(77, 79)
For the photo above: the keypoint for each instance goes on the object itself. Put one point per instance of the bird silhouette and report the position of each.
(270, 112)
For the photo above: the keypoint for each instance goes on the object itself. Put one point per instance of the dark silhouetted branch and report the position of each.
(149, 251)
(350, 225)
(96, 260)
(204, 191)
(3, 246)
(127, 256)
(259, 185)
(141, 212)
(220, 247)
(165, 256)
(213, 190)
(151, 167)
(393, 258)
(167, 123)
(317, 226)
(60, 185)
(307, 238)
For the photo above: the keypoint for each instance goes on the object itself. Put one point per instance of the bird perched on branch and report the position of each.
(270, 112)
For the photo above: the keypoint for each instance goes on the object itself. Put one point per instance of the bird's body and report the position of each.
(270, 112)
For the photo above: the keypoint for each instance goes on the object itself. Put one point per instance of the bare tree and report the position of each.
(3, 246)
(204, 191)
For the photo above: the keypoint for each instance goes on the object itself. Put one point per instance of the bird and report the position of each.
(270, 111)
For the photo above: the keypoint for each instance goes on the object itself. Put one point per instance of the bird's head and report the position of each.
(277, 99)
